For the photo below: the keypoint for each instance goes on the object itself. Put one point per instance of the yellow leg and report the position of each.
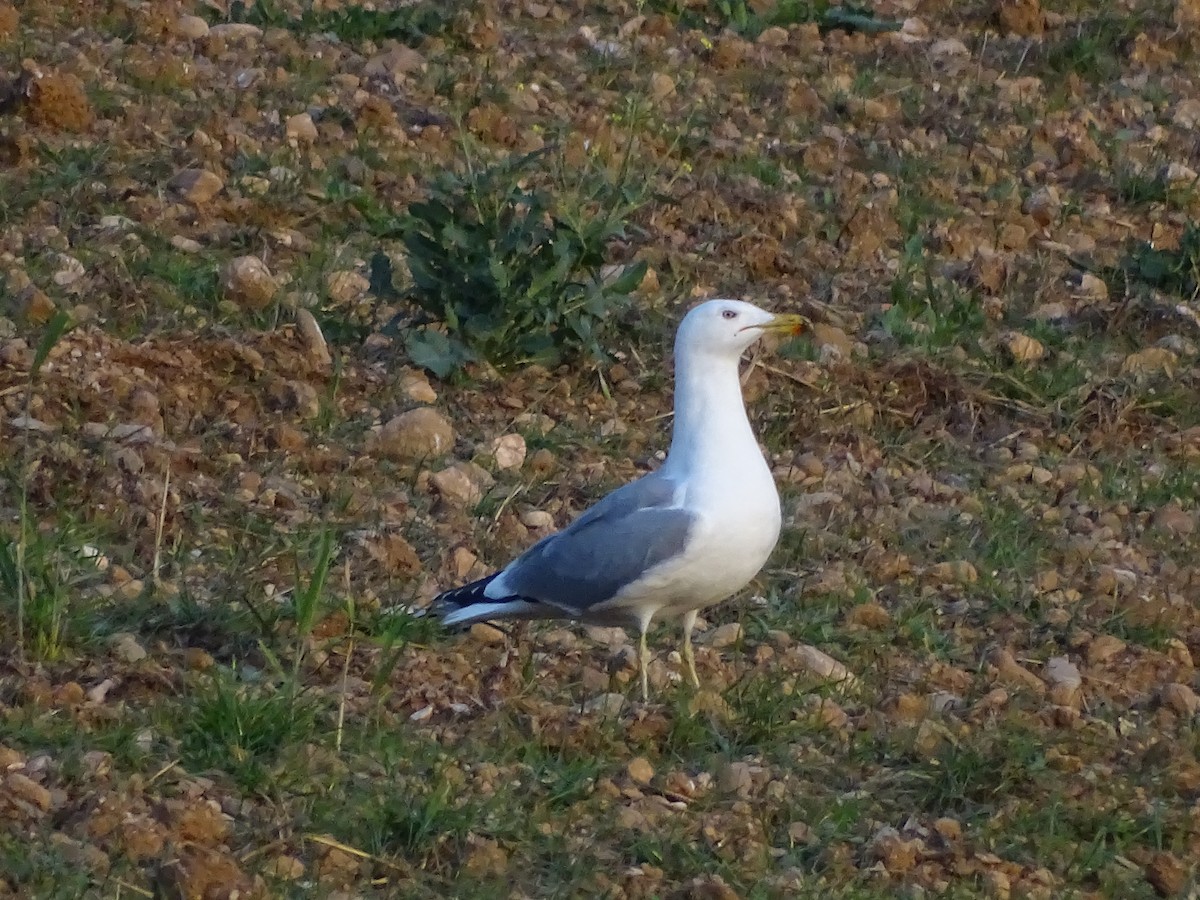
(644, 664)
(689, 656)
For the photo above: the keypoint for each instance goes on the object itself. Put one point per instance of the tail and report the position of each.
(469, 604)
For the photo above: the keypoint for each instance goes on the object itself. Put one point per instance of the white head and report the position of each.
(725, 328)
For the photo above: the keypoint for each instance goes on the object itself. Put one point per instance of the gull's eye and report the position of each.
(728, 314)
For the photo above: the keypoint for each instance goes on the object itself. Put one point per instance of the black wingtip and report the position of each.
(465, 595)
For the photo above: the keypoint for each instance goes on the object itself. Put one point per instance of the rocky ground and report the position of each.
(968, 669)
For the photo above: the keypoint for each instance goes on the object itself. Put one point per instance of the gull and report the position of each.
(675, 541)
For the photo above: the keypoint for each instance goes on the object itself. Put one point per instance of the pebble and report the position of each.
(236, 32)
(26, 789)
(484, 633)
(1180, 698)
(191, 27)
(413, 436)
(508, 450)
(300, 128)
(461, 484)
(247, 281)
(415, 386)
(314, 339)
(196, 185)
(609, 704)
(1104, 648)
(640, 771)
(125, 647)
(725, 636)
(536, 518)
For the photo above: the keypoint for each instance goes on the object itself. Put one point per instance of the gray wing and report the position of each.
(610, 546)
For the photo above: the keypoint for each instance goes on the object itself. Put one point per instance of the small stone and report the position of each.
(609, 704)
(1177, 344)
(1061, 672)
(461, 484)
(542, 462)
(1150, 362)
(27, 790)
(1043, 206)
(346, 286)
(1187, 113)
(724, 636)
(1104, 648)
(821, 664)
(198, 660)
(810, 464)
(399, 60)
(705, 887)
(869, 615)
(508, 450)
(895, 853)
(196, 185)
(285, 868)
(775, 36)
(10, 19)
(98, 693)
(314, 339)
(662, 86)
(1021, 17)
(1092, 287)
(1180, 699)
(1050, 312)
(537, 518)
(1167, 874)
(463, 563)
(948, 47)
(1023, 348)
(958, 572)
(950, 829)
(248, 282)
(200, 872)
(832, 342)
(1013, 672)
(736, 778)
(301, 129)
(483, 633)
(124, 646)
(191, 27)
(640, 770)
(35, 306)
(1173, 520)
(910, 708)
(415, 386)
(1177, 172)
(236, 32)
(413, 436)
(623, 659)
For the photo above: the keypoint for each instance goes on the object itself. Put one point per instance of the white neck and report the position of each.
(708, 403)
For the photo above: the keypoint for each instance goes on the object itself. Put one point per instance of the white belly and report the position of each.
(729, 545)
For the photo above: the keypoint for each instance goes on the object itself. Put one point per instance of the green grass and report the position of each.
(354, 24)
(246, 729)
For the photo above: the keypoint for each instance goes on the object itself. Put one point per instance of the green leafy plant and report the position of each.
(410, 23)
(751, 18)
(242, 728)
(513, 273)
(43, 572)
(925, 311)
(36, 580)
(1173, 271)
